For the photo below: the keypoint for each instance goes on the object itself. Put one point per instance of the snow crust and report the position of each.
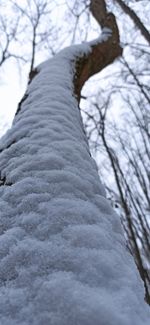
(63, 259)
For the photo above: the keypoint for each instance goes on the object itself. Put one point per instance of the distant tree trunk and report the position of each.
(63, 257)
(136, 20)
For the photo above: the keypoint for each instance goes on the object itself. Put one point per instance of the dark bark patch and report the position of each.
(32, 74)
(20, 103)
(3, 181)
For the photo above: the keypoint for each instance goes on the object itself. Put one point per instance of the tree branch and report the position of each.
(138, 23)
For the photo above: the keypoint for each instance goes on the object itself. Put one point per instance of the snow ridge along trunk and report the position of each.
(63, 259)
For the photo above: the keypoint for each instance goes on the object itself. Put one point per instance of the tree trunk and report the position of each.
(137, 21)
(63, 257)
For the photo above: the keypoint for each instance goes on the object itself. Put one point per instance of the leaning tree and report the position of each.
(63, 256)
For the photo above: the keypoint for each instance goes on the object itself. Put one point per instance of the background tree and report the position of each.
(125, 142)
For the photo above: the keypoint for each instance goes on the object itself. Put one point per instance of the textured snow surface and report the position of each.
(63, 259)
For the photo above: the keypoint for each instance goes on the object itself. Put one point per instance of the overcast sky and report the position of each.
(11, 88)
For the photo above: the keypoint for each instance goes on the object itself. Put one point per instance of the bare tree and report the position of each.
(126, 145)
(9, 33)
(137, 21)
(35, 14)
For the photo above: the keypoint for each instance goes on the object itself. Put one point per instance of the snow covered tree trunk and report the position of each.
(63, 259)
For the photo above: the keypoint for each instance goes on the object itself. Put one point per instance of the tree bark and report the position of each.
(63, 257)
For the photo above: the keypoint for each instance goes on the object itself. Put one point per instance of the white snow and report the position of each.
(63, 259)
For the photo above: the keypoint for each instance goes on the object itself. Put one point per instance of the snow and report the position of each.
(63, 259)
